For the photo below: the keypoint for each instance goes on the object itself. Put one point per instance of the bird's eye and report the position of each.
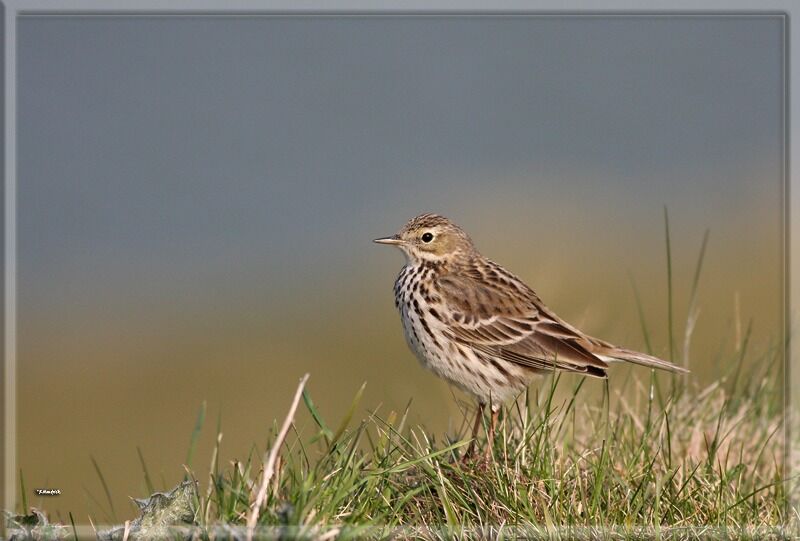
(427, 237)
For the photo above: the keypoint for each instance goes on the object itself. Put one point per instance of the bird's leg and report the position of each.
(490, 437)
(475, 427)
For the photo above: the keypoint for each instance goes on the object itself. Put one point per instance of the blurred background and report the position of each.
(197, 198)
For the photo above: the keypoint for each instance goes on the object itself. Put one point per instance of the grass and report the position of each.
(706, 458)
(638, 462)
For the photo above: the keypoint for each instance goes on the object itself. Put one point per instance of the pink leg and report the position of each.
(490, 440)
(475, 427)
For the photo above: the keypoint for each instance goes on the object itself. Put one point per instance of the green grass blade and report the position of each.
(405, 465)
(692, 311)
(669, 287)
(348, 416)
(148, 483)
(97, 503)
(198, 427)
(742, 352)
(642, 320)
(74, 529)
(449, 510)
(699, 266)
(312, 409)
(599, 473)
(23, 493)
(105, 488)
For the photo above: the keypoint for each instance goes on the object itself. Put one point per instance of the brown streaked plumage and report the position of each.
(480, 327)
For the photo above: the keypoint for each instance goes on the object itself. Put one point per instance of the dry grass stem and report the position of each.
(269, 462)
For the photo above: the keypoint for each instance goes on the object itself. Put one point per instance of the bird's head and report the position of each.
(430, 237)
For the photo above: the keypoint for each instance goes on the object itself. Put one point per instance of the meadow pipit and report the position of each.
(481, 328)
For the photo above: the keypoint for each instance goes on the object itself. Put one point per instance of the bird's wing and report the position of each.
(496, 314)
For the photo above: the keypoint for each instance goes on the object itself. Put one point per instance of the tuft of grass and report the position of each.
(706, 459)
(563, 464)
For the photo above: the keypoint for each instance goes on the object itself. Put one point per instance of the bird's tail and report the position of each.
(643, 359)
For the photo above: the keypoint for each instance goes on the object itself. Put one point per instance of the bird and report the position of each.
(480, 327)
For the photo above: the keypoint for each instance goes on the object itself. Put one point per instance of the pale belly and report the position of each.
(489, 380)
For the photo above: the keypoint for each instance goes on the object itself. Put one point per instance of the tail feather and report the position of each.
(643, 359)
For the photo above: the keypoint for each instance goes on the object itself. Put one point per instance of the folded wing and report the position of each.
(505, 320)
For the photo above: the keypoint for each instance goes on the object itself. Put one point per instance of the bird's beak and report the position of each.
(394, 239)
